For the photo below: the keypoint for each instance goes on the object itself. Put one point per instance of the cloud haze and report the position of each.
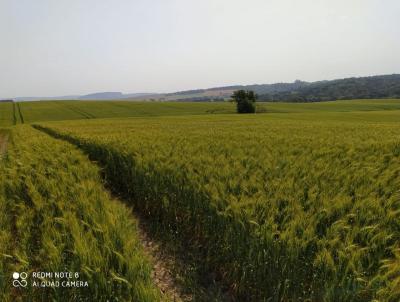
(77, 47)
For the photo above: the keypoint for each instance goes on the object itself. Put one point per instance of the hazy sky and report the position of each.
(58, 47)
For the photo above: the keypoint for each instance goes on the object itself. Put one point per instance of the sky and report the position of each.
(64, 47)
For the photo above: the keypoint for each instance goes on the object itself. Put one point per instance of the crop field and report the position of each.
(73, 110)
(334, 106)
(55, 216)
(30, 112)
(296, 206)
(299, 203)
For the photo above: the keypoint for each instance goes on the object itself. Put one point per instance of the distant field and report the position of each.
(334, 106)
(298, 206)
(73, 110)
(30, 112)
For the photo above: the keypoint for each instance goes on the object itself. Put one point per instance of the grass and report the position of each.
(55, 216)
(300, 206)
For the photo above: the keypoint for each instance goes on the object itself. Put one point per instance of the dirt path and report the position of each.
(162, 267)
(173, 270)
(162, 262)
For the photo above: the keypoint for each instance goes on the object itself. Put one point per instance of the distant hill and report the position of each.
(384, 86)
(41, 98)
(221, 93)
(102, 96)
(93, 96)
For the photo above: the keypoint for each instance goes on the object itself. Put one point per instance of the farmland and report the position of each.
(73, 110)
(298, 204)
(30, 112)
(55, 216)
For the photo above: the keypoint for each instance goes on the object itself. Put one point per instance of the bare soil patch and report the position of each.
(163, 275)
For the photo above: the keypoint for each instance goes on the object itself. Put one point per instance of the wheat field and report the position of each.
(283, 207)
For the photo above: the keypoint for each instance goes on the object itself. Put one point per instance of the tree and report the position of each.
(245, 101)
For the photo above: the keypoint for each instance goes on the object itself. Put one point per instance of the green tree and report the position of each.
(245, 101)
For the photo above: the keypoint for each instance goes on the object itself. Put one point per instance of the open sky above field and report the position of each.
(76, 47)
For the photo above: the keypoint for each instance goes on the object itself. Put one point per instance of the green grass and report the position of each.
(288, 206)
(55, 216)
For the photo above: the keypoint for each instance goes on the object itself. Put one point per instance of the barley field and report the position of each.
(299, 202)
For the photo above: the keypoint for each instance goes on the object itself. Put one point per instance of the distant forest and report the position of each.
(387, 86)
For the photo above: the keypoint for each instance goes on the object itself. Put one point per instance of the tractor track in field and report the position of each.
(81, 112)
(74, 109)
(18, 118)
(162, 263)
(14, 112)
(173, 269)
(21, 117)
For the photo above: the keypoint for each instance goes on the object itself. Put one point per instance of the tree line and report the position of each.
(375, 87)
